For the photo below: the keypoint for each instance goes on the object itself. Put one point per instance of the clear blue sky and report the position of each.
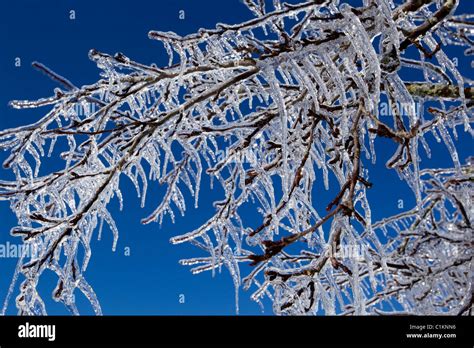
(149, 281)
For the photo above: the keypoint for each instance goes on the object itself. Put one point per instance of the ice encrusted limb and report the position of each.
(273, 110)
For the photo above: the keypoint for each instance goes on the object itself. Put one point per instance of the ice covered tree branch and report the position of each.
(272, 110)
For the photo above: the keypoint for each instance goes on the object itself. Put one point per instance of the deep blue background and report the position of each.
(149, 281)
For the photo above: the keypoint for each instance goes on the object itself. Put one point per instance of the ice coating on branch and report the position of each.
(274, 110)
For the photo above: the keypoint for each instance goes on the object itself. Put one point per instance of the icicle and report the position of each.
(90, 295)
(12, 286)
(277, 94)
